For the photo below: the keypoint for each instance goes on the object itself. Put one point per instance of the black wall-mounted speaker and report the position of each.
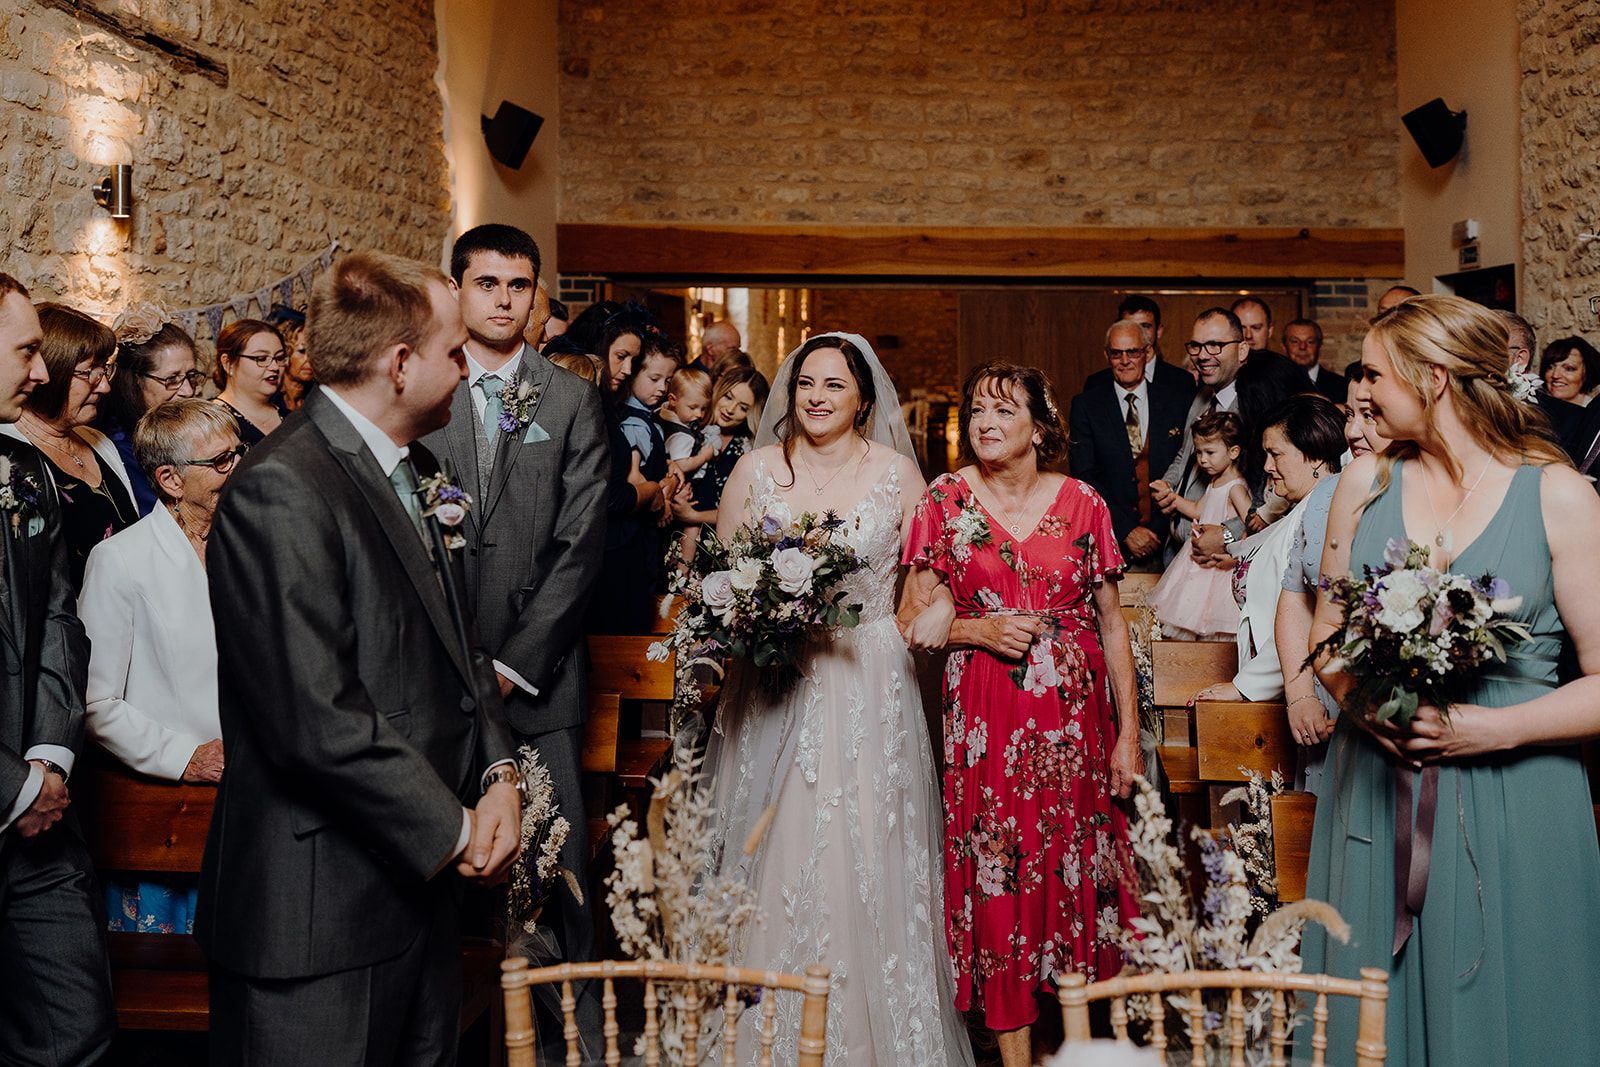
(510, 133)
(1438, 131)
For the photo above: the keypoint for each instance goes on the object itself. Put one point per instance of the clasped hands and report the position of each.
(1006, 636)
(1471, 730)
(496, 835)
(47, 808)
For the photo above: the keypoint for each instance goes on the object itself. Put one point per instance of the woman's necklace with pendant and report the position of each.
(1442, 539)
(41, 436)
(1006, 517)
(811, 473)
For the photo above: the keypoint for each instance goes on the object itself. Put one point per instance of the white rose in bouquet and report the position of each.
(794, 569)
(1400, 600)
(746, 574)
(716, 591)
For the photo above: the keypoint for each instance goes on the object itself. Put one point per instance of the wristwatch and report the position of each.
(509, 775)
(1227, 536)
(52, 765)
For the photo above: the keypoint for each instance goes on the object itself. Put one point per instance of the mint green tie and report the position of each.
(404, 480)
(493, 387)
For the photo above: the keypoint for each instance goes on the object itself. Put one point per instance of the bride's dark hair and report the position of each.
(860, 370)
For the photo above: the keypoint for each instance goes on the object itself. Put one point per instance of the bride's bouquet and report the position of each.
(763, 594)
(1414, 634)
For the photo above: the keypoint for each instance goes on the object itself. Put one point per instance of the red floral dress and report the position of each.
(1035, 851)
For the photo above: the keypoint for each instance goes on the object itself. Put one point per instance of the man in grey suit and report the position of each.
(531, 438)
(369, 768)
(55, 1007)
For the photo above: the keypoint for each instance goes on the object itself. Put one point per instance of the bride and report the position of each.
(849, 873)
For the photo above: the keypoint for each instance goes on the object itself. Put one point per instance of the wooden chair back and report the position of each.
(1292, 814)
(1371, 989)
(516, 978)
(1234, 734)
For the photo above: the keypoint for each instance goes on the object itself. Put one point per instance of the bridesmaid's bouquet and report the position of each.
(763, 594)
(1414, 634)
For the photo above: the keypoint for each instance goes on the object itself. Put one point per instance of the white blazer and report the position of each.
(1260, 674)
(152, 695)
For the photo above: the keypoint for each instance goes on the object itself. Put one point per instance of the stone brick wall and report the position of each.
(924, 322)
(980, 112)
(328, 127)
(1560, 164)
(1343, 307)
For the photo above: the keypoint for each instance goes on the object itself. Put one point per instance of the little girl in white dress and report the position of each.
(1192, 602)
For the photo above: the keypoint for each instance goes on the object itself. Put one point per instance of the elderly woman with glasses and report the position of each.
(251, 361)
(152, 691)
(96, 496)
(155, 363)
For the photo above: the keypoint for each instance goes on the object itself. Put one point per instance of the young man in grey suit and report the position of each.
(369, 769)
(55, 1007)
(531, 438)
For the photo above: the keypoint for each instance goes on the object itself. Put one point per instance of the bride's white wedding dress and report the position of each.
(849, 874)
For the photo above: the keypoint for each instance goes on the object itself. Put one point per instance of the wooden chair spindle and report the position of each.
(1319, 1035)
(1119, 1018)
(769, 1025)
(652, 1027)
(1197, 1029)
(569, 1013)
(1236, 1027)
(608, 1003)
(730, 1026)
(1280, 1028)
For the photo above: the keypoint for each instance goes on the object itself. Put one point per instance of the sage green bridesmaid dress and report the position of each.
(1503, 964)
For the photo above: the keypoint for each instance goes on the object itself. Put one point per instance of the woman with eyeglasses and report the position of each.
(96, 496)
(251, 361)
(152, 691)
(155, 363)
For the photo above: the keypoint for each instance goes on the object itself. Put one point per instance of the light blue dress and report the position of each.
(1302, 575)
(1503, 966)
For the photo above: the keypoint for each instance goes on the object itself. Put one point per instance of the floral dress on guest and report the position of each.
(1036, 858)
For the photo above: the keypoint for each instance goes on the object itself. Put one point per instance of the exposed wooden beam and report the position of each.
(674, 250)
(147, 35)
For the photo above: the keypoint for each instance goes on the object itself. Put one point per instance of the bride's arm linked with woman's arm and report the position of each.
(927, 619)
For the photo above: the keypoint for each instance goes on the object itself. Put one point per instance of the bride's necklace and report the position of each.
(1005, 516)
(811, 473)
(1442, 539)
(39, 435)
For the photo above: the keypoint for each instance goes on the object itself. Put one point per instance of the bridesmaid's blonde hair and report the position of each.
(1469, 343)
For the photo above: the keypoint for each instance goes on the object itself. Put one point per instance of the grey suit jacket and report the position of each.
(355, 724)
(535, 539)
(44, 655)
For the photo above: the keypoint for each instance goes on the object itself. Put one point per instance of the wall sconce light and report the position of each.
(510, 133)
(115, 191)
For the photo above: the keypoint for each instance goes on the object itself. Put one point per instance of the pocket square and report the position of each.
(535, 434)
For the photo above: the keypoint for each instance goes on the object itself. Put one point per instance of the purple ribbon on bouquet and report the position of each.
(1413, 848)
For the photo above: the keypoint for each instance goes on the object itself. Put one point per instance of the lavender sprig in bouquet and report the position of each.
(1414, 634)
(763, 594)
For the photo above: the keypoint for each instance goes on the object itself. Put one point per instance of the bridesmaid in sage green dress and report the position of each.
(1494, 946)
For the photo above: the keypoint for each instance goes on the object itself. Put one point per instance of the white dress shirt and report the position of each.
(1141, 402)
(152, 692)
(475, 370)
(1227, 397)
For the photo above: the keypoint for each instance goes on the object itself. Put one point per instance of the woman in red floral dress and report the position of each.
(1014, 569)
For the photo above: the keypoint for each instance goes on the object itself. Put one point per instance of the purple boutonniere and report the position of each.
(20, 494)
(517, 411)
(447, 502)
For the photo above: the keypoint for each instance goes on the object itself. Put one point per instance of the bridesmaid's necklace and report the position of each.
(1441, 539)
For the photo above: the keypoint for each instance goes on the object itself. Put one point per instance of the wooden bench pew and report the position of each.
(1182, 669)
(1291, 842)
(135, 825)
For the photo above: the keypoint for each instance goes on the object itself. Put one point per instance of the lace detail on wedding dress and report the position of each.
(847, 874)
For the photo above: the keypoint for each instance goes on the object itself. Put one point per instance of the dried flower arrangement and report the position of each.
(1226, 932)
(538, 865)
(665, 906)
